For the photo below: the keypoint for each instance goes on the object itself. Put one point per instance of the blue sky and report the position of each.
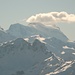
(12, 11)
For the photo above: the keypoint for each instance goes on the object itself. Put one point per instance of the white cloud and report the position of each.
(52, 18)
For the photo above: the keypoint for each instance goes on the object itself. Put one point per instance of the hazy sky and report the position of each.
(12, 11)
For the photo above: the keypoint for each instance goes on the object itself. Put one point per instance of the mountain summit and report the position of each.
(21, 31)
(36, 49)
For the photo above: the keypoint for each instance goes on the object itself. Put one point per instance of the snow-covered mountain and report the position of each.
(21, 31)
(36, 49)
(20, 55)
(24, 57)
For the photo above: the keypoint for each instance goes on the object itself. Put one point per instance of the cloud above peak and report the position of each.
(52, 18)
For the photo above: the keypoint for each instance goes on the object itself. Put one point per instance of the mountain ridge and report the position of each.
(22, 57)
(19, 30)
(36, 49)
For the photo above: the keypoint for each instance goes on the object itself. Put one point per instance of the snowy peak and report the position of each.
(21, 31)
(15, 25)
(17, 30)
